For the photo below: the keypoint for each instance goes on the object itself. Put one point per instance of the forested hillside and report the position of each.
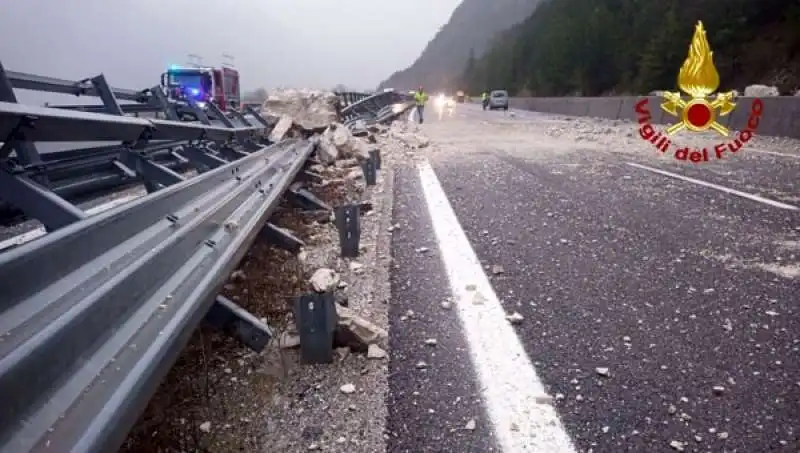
(468, 32)
(596, 47)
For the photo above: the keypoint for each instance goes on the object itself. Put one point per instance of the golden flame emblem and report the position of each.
(698, 78)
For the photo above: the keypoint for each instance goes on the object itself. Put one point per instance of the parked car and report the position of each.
(498, 99)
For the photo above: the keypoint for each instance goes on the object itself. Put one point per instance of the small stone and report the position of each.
(679, 446)
(341, 440)
(422, 250)
(605, 429)
(431, 342)
(718, 390)
(375, 352)
(471, 425)
(313, 447)
(515, 318)
(447, 305)
(602, 371)
(421, 365)
(348, 389)
(356, 267)
(324, 279)
(723, 435)
(205, 427)
(672, 409)
(498, 269)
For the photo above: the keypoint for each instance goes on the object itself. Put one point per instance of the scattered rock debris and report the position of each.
(222, 397)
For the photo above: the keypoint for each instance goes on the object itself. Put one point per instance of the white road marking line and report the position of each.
(738, 193)
(38, 232)
(774, 153)
(521, 411)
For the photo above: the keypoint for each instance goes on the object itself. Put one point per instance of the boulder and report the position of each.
(324, 280)
(356, 332)
(311, 110)
(327, 153)
(758, 91)
(281, 129)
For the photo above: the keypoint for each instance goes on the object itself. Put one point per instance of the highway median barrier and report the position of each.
(780, 117)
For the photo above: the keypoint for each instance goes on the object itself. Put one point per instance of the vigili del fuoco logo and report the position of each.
(699, 79)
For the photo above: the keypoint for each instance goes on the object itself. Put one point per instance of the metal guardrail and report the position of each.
(94, 313)
(371, 108)
(82, 170)
(781, 115)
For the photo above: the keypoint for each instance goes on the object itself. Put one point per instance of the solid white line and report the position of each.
(38, 232)
(521, 411)
(738, 193)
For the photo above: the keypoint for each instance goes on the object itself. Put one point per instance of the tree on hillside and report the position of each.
(594, 47)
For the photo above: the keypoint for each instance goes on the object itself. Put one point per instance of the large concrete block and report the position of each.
(608, 108)
(781, 115)
(576, 106)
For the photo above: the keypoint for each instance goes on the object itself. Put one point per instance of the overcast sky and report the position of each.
(302, 43)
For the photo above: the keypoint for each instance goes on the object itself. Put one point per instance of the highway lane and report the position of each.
(659, 298)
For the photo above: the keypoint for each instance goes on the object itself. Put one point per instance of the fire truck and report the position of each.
(203, 85)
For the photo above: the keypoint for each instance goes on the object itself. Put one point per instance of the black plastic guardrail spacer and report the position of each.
(375, 155)
(316, 318)
(348, 223)
(211, 243)
(173, 218)
(370, 172)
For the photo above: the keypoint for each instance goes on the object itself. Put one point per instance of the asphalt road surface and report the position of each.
(657, 300)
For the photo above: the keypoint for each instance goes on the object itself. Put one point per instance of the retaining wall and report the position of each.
(781, 116)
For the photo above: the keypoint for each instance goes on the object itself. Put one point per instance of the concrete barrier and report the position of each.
(781, 115)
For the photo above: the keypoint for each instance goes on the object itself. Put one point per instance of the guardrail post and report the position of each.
(107, 95)
(27, 154)
(348, 223)
(370, 171)
(375, 155)
(316, 318)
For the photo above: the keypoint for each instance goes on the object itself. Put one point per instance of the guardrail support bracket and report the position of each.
(349, 225)
(282, 238)
(316, 318)
(302, 198)
(239, 323)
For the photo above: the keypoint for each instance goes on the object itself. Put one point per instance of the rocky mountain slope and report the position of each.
(472, 27)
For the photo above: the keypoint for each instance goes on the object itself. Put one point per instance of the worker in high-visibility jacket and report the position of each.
(420, 98)
(484, 100)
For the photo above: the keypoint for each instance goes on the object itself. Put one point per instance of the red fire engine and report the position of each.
(219, 86)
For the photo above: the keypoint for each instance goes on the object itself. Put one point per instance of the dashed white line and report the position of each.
(38, 232)
(738, 193)
(521, 411)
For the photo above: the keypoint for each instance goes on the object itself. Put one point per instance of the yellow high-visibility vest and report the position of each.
(421, 97)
